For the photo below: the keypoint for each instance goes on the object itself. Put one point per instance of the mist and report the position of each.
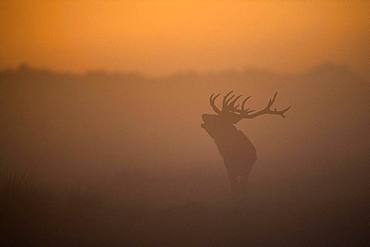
(132, 147)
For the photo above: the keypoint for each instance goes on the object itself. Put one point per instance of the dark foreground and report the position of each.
(272, 216)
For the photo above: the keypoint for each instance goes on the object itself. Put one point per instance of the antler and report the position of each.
(212, 103)
(229, 105)
(266, 110)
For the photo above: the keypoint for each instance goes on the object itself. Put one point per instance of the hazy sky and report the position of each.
(159, 37)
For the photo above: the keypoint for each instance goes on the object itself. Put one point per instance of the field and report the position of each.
(105, 159)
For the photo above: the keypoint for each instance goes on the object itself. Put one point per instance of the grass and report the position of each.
(34, 215)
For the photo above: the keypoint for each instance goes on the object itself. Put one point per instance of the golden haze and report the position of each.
(159, 37)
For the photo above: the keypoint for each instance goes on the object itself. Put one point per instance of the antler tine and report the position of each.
(212, 100)
(266, 110)
(232, 103)
(282, 112)
(272, 100)
(226, 99)
(244, 101)
(227, 102)
(270, 103)
(213, 97)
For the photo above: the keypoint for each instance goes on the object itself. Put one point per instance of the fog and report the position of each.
(134, 144)
(104, 141)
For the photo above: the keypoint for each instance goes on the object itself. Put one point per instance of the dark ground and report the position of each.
(288, 215)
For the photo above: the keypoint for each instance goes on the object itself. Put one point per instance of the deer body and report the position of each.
(237, 150)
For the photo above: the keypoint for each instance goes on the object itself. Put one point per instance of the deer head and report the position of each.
(231, 113)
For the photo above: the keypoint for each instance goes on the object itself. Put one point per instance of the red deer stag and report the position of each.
(237, 150)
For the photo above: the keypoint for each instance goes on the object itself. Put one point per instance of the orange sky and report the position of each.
(159, 37)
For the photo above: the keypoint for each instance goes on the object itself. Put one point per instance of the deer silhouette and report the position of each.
(238, 152)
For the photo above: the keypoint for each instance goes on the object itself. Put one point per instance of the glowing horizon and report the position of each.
(163, 37)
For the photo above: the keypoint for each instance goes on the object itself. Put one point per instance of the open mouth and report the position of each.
(203, 124)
